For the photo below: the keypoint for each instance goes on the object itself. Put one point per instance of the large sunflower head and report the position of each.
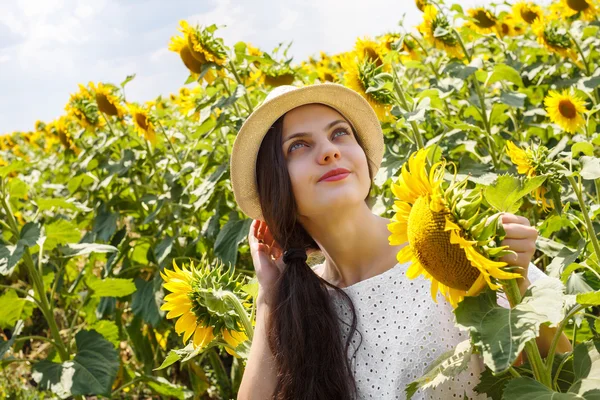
(565, 109)
(442, 229)
(482, 20)
(107, 98)
(438, 31)
(421, 4)
(203, 44)
(142, 121)
(588, 10)
(197, 299)
(372, 50)
(527, 11)
(359, 75)
(533, 162)
(508, 26)
(554, 38)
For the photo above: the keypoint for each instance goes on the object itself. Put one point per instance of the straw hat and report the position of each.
(281, 100)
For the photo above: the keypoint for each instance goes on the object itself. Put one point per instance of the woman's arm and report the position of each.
(260, 377)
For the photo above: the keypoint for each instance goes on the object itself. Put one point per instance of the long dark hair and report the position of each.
(304, 333)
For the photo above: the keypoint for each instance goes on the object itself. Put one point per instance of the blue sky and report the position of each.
(47, 47)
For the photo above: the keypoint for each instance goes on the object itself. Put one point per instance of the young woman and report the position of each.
(354, 327)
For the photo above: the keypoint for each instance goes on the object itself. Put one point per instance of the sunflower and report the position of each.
(143, 123)
(432, 22)
(553, 38)
(203, 45)
(83, 108)
(179, 304)
(565, 109)
(359, 75)
(375, 51)
(278, 78)
(508, 26)
(527, 11)
(421, 4)
(180, 45)
(194, 300)
(588, 10)
(482, 20)
(107, 100)
(528, 162)
(437, 246)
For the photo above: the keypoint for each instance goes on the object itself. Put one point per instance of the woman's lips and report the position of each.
(336, 177)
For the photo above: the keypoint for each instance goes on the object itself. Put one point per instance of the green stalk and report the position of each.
(556, 338)
(220, 372)
(38, 282)
(413, 124)
(239, 81)
(586, 217)
(239, 309)
(170, 144)
(531, 349)
(585, 64)
(483, 112)
(235, 107)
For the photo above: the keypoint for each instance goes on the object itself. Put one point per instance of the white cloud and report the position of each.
(288, 19)
(4, 58)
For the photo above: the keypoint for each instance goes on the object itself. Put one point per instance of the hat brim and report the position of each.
(245, 149)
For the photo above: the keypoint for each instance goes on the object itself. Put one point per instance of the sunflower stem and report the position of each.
(513, 294)
(484, 116)
(556, 338)
(586, 217)
(220, 373)
(239, 309)
(235, 107)
(413, 124)
(239, 81)
(36, 278)
(585, 63)
(162, 129)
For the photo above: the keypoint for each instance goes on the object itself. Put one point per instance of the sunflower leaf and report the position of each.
(527, 388)
(447, 366)
(501, 333)
(590, 169)
(506, 194)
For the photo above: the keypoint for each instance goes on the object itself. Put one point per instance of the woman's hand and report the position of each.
(266, 256)
(520, 238)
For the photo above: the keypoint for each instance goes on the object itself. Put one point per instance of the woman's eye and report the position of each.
(292, 146)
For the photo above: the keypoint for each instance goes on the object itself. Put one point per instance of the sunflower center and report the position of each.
(505, 28)
(529, 15)
(105, 105)
(578, 5)
(142, 121)
(483, 20)
(372, 54)
(189, 60)
(567, 109)
(446, 262)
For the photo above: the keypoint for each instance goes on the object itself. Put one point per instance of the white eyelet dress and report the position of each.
(403, 331)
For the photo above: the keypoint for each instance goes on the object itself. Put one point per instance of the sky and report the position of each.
(48, 47)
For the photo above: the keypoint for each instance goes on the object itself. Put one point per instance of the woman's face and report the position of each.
(327, 142)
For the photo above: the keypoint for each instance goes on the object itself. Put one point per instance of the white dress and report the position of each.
(403, 331)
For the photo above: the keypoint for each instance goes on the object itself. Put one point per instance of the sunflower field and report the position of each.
(125, 270)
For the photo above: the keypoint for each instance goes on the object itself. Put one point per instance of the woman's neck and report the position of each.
(355, 245)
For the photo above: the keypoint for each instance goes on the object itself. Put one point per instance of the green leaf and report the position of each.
(447, 366)
(205, 190)
(513, 99)
(11, 308)
(9, 257)
(108, 329)
(492, 385)
(230, 236)
(111, 287)
(528, 389)
(582, 147)
(459, 70)
(60, 232)
(147, 300)
(91, 372)
(30, 234)
(165, 388)
(13, 166)
(586, 366)
(80, 249)
(506, 193)
(17, 188)
(499, 333)
(590, 167)
(251, 288)
(105, 224)
(503, 72)
(589, 299)
(5, 345)
(163, 249)
(48, 204)
(171, 359)
(128, 79)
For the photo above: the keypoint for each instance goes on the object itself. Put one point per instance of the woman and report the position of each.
(302, 167)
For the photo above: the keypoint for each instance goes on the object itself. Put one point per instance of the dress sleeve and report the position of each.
(533, 274)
